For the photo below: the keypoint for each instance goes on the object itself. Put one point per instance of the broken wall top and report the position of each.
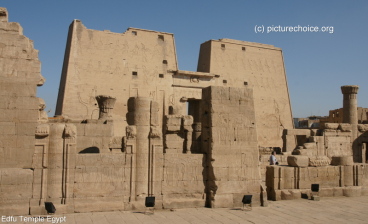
(19, 107)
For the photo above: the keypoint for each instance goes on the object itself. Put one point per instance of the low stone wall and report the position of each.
(285, 183)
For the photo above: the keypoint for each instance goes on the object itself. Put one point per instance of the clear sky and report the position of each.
(317, 63)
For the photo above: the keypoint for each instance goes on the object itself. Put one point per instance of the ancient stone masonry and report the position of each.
(341, 145)
(129, 124)
(229, 134)
(261, 67)
(143, 63)
(19, 115)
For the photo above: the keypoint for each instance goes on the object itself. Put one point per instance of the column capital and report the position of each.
(350, 89)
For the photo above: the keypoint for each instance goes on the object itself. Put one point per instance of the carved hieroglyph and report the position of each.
(261, 67)
(229, 134)
(19, 115)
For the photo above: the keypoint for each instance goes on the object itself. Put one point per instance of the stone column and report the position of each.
(350, 107)
(106, 104)
(141, 118)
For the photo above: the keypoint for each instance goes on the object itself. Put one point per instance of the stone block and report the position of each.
(326, 192)
(305, 132)
(98, 204)
(23, 103)
(355, 191)
(16, 192)
(187, 120)
(55, 176)
(182, 187)
(225, 187)
(14, 207)
(22, 89)
(286, 195)
(333, 126)
(98, 174)
(7, 115)
(223, 201)
(345, 127)
(27, 115)
(319, 161)
(315, 198)
(363, 127)
(298, 161)
(173, 137)
(15, 176)
(348, 174)
(173, 120)
(364, 191)
(342, 161)
(223, 160)
(338, 191)
(174, 144)
(296, 194)
(98, 130)
(215, 93)
(7, 128)
(183, 202)
(99, 189)
(173, 128)
(276, 195)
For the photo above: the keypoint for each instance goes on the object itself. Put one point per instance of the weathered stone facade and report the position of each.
(335, 157)
(143, 63)
(129, 125)
(19, 115)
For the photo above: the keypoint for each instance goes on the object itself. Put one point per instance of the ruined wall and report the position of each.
(260, 67)
(230, 140)
(19, 114)
(121, 65)
(148, 146)
(336, 116)
(285, 183)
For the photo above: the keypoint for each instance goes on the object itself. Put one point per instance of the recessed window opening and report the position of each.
(222, 46)
(135, 73)
(164, 62)
(161, 75)
(161, 37)
(245, 83)
(243, 48)
(224, 81)
(134, 33)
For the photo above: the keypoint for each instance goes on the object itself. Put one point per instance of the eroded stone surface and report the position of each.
(298, 161)
(140, 127)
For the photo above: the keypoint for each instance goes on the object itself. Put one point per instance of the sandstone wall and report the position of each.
(121, 65)
(260, 67)
(19, 114)
(285, 183)
(229, 136)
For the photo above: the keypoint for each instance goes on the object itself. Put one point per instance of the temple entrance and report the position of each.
(194, 109)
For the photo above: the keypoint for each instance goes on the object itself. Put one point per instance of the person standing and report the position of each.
(273, 160)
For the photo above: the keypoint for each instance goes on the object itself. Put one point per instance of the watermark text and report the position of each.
(293, 29)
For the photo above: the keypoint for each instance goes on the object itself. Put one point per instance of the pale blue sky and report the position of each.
(317, 64)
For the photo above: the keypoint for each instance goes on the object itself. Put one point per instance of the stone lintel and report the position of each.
(197, 74)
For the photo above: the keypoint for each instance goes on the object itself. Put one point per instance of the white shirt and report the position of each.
(273, 160)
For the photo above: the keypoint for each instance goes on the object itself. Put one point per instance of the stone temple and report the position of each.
(129, 124)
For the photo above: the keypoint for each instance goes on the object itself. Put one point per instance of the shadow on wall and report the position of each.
(90, 150)
(360, 146)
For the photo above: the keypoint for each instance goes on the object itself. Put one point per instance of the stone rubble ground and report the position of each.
(327, 210)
